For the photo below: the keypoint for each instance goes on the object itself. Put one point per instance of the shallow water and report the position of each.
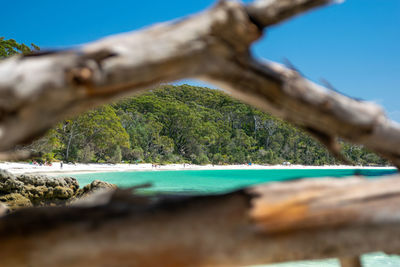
(218, 181)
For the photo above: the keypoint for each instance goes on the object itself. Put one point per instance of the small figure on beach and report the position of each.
(61, 164)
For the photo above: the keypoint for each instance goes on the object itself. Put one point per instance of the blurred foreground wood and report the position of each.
(298, 220)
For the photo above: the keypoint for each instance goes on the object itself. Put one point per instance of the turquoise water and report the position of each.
(377, 259)
(215, 181)
(218, 181)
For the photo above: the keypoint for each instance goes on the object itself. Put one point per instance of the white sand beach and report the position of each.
(55, 169)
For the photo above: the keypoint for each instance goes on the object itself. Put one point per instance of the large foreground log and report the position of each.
(298, 220)
(39, 90)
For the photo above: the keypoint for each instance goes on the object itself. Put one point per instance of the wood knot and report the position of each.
(80, 76)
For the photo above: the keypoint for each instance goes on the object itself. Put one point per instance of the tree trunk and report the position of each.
(69, 143)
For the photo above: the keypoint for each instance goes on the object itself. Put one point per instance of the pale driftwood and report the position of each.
(304, 219)
(38, 91)
(265, 13)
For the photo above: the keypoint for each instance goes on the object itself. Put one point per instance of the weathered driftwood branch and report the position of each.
(39, 90)
(265, 13)
(271, 223)
(304, 219)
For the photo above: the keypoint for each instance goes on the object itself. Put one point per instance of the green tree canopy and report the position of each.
(187, 124)
(11, 47)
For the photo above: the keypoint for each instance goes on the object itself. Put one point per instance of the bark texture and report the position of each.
(39, 90)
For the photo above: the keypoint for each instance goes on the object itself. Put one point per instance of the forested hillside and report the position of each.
(174, 124)
(181, 124)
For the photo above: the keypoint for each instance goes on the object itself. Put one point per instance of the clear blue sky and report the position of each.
(355, 45)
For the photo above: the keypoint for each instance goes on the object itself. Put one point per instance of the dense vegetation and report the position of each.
(181, 124)
(186, 124)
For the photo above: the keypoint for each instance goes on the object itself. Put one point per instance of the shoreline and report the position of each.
(80, 168)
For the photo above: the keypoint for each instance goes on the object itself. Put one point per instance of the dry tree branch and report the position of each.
(39, 90)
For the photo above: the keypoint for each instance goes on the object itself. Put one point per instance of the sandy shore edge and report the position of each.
(55, 169)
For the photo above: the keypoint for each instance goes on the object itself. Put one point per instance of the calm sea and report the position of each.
(218, 181)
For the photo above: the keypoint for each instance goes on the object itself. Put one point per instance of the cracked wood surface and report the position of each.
(275, 222)
(39, 90)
